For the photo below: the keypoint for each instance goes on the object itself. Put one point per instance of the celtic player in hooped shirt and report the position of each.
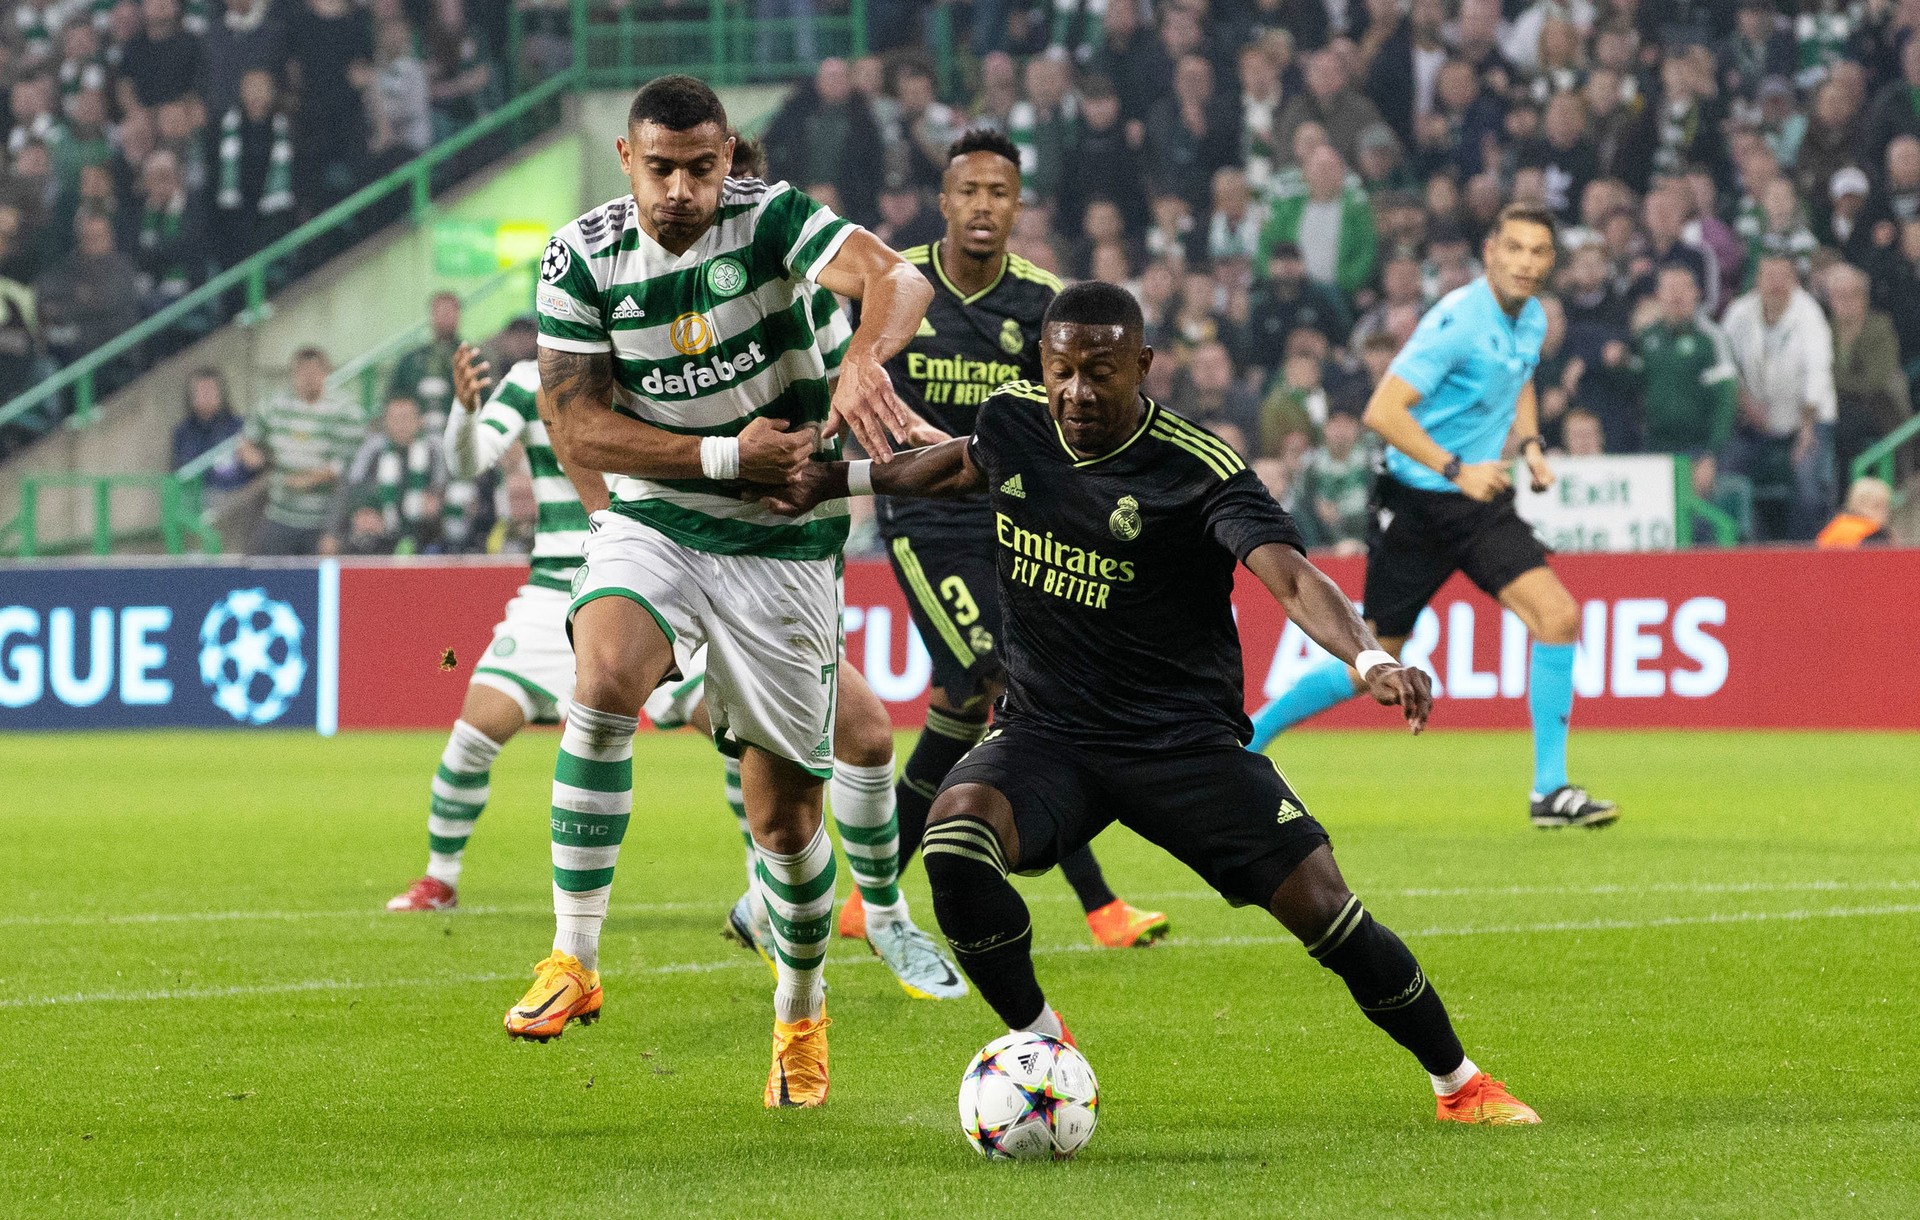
(1118, 525)
(678, 353)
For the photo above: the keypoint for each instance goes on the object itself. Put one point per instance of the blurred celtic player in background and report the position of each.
(677, 352)
(527, 677)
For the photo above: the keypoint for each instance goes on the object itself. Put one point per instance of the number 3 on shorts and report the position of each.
(965, 610)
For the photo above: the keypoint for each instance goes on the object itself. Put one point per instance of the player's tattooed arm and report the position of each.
(1328, 618)
(939, 472)
(589, 485)
(588, 434)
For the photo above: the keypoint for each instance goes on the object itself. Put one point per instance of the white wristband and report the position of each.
(860, 477)
(720, 457)
(1372, 659)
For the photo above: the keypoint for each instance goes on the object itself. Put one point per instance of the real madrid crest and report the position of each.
(726, 277)
(1125, 521)
(1011, 340)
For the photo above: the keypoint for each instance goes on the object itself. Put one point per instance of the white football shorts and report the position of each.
(530, 660)
(771, 629)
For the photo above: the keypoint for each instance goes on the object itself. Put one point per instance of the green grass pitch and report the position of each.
(207, 1014)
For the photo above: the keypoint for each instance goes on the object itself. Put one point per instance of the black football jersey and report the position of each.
(967, 347)
(1116, 575)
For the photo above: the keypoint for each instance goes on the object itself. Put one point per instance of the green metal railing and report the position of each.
(179, 514)
(181, 503)
(415, 179)
(724, 45)
(1689, 507)
(1878, 460)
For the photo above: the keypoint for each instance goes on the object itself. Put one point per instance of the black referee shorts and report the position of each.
(953, 595)
(1222, 811)
(1419, 538)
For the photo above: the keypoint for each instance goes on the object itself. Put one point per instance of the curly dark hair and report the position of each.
(987, 140)
(1095, 303)
(677, 103)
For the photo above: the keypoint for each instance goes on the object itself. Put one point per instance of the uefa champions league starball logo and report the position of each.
(250, 656)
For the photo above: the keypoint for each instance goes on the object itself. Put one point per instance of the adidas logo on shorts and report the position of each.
(1012, 488)
(626, 309)
(1288, 811)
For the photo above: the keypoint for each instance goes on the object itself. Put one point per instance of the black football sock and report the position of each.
(1082, 872)
(946, 738)
(983, 917)
(1389, 986)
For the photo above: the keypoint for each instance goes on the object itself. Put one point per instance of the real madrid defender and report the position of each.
(1444, 503)
(1124, 680)
(982, 329)
(527, 676)
(677, 353)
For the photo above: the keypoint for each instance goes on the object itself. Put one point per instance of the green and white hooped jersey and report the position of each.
(561, 529)
(705, 342)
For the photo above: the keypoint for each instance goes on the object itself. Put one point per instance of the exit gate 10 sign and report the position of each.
(1602, 503)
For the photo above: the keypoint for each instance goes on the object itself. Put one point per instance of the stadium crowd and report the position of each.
(151, 143)
(1284, 184)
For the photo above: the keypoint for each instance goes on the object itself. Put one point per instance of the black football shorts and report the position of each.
(1224, 812)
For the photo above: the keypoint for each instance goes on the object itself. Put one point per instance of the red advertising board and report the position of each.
(399, 626)
(1698, 639)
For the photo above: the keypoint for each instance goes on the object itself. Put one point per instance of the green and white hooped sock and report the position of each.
(863, 808)
(799, 896)
(592, 801)
(460, 789)
(738, 803)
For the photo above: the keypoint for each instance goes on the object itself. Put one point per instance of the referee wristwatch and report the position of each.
(1451, 471)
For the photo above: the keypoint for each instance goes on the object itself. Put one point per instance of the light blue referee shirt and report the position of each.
(1469, 361)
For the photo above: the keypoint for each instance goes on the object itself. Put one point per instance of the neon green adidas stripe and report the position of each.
(1205, 439)
(923, 592)
(1210, 461)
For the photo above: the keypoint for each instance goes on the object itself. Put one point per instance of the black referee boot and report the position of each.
(1570, 805)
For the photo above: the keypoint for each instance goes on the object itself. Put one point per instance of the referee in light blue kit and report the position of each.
(1445, 500)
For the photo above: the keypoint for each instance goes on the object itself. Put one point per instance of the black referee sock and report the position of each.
(983, 917)
(946, 739)
(1389, 986)
(1083, 873)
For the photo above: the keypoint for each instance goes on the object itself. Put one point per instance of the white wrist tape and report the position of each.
(1371, 659)
(720, 457)
(860, 477)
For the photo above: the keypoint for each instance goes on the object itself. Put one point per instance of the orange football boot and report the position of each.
(799, 1075)
(1119, 926)
(1485, 1100)
(563, 990)
(1066, 1035)
(853, 918)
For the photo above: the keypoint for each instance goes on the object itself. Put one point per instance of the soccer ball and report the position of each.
(1028, 1097)
(250, 656)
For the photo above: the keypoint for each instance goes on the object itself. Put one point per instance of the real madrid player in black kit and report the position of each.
(1124, 697)
(981, 331)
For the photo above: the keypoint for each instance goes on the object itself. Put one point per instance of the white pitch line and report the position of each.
(645, 908)
(744, 962)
